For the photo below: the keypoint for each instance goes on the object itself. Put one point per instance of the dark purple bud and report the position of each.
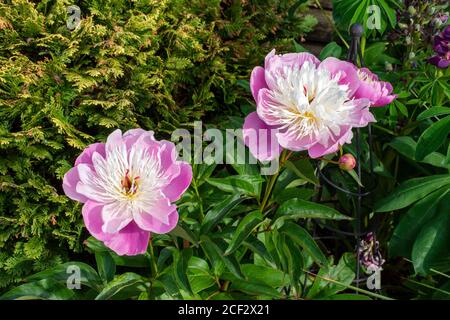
(439, 62)
(368, 252)
(440, 46)
(446, 33)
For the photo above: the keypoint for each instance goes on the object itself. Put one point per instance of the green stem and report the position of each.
(153, 265)
(283, 158)
(225, 286)
(200, 203)
(212, 295)
(332, 23)
(363, 45)
(268, 191)
(328, 160)
(440, 273)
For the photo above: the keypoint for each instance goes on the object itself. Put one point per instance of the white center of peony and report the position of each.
(127, 183)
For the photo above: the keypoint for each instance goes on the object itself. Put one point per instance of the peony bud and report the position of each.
(347, 162)
(411, 10)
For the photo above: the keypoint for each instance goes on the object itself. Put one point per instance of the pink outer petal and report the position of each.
(294, 144)
(346, 70)
(319, 150)
(169, 163)
(86, 155)
(386, 96)
(274, 64)
(70, 181)
(257, 81)
(387, 86)
(137, 132)
(145, 139)
(378, 92)
(368, 91)
(115, 217)
(168, 154)
(361, 116)
(92, 216)
(268, 57)
(382, 101)
(86, 173)
(265, 106)
(298, 59)
(369, 73)
(179, 184)
(133, 135)
(159, 209)
(148, 222)
(260, 138)
(129, 241)
(365, 117)
(114, 141)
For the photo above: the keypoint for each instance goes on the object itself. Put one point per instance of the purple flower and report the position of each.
(440, 46)
(128, 185)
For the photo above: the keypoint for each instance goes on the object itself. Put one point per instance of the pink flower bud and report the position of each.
(347, 162)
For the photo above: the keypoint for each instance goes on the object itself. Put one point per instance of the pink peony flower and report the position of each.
(128, 185)
(378, 92)
(303, 104)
